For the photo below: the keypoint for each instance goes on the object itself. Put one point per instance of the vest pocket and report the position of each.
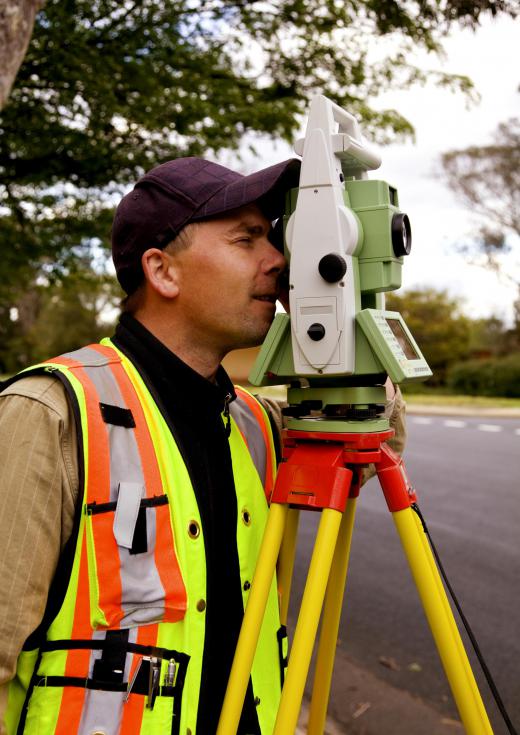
(134, 574)
(98, 710)
(103, 697)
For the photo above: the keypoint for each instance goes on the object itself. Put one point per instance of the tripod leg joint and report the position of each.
(397, 489)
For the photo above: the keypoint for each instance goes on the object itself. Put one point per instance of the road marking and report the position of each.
(458, 424)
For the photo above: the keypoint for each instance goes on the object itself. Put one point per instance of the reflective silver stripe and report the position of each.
(125, 462)
(142, 593)
(252, 432)
(103, 711)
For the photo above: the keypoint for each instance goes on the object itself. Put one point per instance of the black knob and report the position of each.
(332, 267)
(316, 332)
(401, 234)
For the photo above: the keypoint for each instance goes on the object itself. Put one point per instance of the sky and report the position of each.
(443, 121)
(490, 57)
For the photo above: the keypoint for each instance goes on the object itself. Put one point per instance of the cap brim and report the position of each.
(266, 188)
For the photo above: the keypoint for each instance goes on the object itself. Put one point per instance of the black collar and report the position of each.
(174, 380)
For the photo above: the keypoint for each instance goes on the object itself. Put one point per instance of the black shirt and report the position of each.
(192, 407)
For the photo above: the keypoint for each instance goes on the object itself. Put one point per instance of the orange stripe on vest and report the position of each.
(256, 409)
(165, 557)
(98, 482)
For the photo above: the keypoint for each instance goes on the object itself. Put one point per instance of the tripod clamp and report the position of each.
(317, 469)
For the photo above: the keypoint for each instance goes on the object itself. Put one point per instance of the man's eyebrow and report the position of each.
(256, 229)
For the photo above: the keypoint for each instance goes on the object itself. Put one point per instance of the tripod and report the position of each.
(322, 471)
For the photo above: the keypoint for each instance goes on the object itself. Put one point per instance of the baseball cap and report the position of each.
(185, 190)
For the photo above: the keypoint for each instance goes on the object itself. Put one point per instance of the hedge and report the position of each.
(492, 377)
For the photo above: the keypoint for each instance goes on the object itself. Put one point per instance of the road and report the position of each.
(467, 475)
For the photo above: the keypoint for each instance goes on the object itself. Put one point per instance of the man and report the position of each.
(134, 477)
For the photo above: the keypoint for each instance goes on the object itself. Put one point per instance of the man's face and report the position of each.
(229, 280)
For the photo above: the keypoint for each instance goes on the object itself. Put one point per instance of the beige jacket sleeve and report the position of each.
(38, 492)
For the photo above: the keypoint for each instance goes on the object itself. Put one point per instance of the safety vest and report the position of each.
(123, 654)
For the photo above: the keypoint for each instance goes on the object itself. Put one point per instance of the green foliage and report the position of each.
(56, 317)
(489, 338)
(439, 328)
(478, 357)
(493, 377)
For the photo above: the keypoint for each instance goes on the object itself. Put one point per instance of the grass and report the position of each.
(431, 399)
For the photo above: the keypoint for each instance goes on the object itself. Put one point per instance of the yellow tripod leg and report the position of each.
(305, 633)
(252, 623)
(442, 624)
(462, 653)
(330, 623)
(286, 562)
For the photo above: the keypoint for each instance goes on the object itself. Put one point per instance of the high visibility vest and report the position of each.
(123, 655)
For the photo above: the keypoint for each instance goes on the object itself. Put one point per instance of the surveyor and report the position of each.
(135, 477)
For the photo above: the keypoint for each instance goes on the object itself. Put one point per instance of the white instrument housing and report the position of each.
(321, 225)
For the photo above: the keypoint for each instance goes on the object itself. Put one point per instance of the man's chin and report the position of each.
(251, 339)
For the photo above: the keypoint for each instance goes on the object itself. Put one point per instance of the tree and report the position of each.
(488, 338)
(438, 327)
(16, 24)
(57, 316)
(108, 89)
(487, 179)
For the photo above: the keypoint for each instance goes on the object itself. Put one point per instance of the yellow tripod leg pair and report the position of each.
(330, 623)
(305, 633)
(438, 613)
(253, 616)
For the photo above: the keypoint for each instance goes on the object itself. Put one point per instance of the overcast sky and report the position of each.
(442, 120)
(490, 57)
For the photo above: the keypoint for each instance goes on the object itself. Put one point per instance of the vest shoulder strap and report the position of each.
(255, 427)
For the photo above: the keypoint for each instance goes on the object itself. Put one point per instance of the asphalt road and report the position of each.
(467, 475)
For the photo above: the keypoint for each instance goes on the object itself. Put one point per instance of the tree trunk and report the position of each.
(16, 24)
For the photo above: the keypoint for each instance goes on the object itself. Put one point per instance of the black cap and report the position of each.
(185, 190)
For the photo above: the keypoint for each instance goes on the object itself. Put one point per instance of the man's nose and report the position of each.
(274, 261)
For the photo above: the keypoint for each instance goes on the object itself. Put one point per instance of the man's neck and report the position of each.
(192, 351)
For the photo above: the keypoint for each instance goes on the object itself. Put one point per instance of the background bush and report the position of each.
(493, 377)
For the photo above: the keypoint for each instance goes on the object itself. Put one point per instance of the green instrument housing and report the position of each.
(375, 203)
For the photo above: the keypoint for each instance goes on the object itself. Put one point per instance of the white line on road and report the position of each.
(422, 420)
(489, 427)
(454, 424)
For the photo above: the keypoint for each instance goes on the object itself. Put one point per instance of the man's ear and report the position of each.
(160, 272)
